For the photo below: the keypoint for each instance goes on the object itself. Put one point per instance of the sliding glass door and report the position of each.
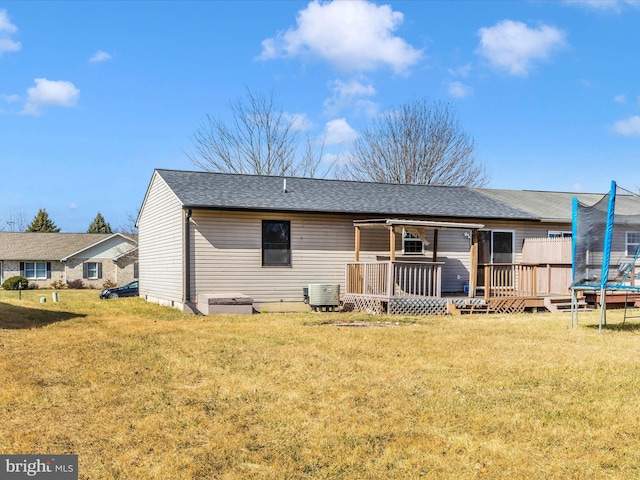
(494, 246)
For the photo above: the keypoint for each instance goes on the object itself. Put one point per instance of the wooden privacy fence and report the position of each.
(394, 279)
(547, 250)
(553, 258)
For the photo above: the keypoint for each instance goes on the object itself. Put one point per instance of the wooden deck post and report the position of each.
(392, 243)
(487, 281)
(434, 257)
(357, 247)
(473, 261)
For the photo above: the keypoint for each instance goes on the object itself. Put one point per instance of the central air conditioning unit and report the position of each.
(322, 295)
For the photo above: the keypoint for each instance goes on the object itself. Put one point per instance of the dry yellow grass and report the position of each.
(144, 392)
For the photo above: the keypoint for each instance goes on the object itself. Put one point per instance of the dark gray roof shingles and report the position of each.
(254, 192)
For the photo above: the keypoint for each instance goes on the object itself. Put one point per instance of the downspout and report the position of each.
(187, 265)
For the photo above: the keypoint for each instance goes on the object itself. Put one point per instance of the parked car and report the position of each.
(128, 290)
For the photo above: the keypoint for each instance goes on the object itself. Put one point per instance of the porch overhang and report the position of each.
(429, 224)
(418, 227)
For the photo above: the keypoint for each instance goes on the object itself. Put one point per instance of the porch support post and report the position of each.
(392, 243)
(435, 246)
(473, 263)
(357, 247)
(434, 259)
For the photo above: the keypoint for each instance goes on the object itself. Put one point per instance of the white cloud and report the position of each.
(299, 121)
(345, 94)
(356, 35)
(602, 5)
(513, 46)
(10, 98)
(459, 90)
(462, 71)
(6, 30)
(338, 131)
(622, 98)
(628, 127)
(367, 108)
(100, 56)
(50, 93)
(73, 206)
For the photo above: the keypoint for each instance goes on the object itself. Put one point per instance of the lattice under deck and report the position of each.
(361, 303)
(418, 306)
(506, 305)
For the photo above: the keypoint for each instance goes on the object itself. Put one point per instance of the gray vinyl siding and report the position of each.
(228, 254)
(160, 238)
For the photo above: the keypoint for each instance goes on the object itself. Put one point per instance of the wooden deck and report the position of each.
(415, 288)
(613, 299)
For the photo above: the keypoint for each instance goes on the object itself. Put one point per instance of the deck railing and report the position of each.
(510, 280)
(394, 279)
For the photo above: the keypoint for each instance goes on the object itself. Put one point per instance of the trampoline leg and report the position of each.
(603, 311)
(574, 309)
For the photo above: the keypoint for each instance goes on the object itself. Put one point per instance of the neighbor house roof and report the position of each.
(47, 246)
(557, 206)
(287, 194)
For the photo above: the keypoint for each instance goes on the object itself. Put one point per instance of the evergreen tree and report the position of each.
(42, 223)
(99, 225)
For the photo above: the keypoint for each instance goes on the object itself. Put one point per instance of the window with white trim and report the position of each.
(411, 244)
(35, 270)
(92, 270)
(632, 243)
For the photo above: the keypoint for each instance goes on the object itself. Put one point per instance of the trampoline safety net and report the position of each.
(606, 241)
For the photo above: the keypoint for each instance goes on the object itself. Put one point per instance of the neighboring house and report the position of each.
(270, 237)
(90, 258)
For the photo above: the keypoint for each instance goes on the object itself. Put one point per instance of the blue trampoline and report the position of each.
(607, 229)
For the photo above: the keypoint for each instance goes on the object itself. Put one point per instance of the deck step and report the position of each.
(563, 304)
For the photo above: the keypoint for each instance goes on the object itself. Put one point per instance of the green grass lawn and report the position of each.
(139, 391)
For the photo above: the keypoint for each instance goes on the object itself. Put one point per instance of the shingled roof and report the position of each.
(310, 195)
(46, 246)
(557, 206)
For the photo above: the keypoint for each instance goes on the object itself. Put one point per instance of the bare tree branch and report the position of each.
(260, 139)
(420, 143)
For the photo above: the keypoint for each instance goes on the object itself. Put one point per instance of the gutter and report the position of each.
(186, 296)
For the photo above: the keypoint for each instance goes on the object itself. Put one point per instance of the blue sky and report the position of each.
(95, 95)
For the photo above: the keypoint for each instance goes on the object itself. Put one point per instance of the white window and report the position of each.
(411, 244)
(559, 234)
(92, 270)
(35, 270)
(633, 241)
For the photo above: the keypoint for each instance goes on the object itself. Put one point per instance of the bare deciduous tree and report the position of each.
(16, 221)
(129, 227)
(259, 139)
(419, 143)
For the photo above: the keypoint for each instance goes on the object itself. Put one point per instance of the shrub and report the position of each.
(77, 284)
(12, 283)
(109, 284)
(58, 284)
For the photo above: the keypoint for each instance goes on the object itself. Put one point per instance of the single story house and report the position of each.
(87, 258)
(269, 237)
